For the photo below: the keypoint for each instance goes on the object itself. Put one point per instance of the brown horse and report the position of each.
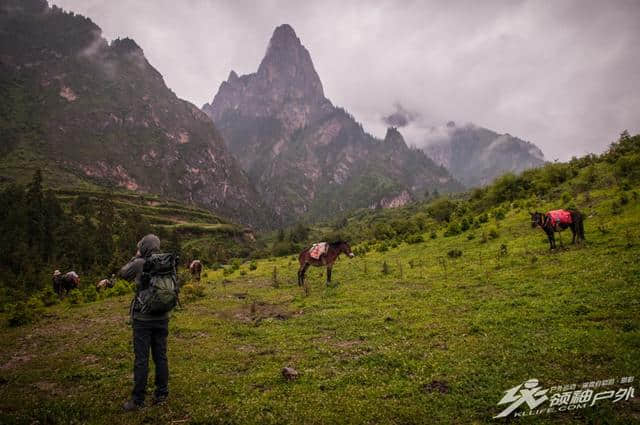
(327, 259)
(195, 268)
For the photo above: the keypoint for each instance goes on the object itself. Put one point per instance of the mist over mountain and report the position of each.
(476, 155)
(306, 156)
(77, 106)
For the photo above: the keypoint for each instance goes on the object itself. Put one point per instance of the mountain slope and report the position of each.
(307, 156)
(80, 106)
(476, 155)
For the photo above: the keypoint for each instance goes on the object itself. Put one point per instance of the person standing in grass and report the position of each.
(150, 325)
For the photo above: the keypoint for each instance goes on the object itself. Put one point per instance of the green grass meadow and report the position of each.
(435, 340)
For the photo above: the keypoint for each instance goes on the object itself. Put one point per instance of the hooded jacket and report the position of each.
(132, 271)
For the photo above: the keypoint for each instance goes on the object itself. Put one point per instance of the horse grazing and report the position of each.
(65, 282)
(195, 268)
(106, 283)
(327, 259)
(557, 221)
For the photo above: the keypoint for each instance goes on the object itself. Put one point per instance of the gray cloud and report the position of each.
(561, 74)
(401, 117)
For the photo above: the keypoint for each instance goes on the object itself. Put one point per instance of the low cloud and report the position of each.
(401, 117)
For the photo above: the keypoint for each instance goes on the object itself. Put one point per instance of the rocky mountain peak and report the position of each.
(284, 35)
(288, 63)
(393, 136)
(126, 44)
(286, 85)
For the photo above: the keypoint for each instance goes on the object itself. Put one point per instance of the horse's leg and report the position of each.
(301, 272)
(573, 234)
(328, 275)
(552, 240)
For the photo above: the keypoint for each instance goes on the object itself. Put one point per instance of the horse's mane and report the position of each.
(336, 243)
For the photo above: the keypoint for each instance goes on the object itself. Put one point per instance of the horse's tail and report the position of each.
(578, 217)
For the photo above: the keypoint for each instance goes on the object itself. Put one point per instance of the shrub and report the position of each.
(493, 233)
(227, 271)
(74, 297)
(624, 199)
(433, 234)
(470, 236)
(236, 263)
(121, 287)
(442, 209)
(190, 292)
(483, 218)
(49, 297)
(503, 250)
(90, 294)
(385, 268)
(454, 253)
(383, 247)
(566, 197)
(413, 239)
(383, 231)
(616, 208)
(499, 214)
(23, 313)
(243, 272)
(453, 229)
(253, 265)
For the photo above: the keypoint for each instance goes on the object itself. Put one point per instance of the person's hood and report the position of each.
(149, 245)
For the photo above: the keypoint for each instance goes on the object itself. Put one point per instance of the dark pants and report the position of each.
(150, 334)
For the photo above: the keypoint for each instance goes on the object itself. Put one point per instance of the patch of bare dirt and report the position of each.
(348, 344)
(90, 359)
(258, 311)
(47, 387)
(436, 386)
(186, 334)
(16, 360)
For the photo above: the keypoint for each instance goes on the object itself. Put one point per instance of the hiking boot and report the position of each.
(131, 406)
(160, 399)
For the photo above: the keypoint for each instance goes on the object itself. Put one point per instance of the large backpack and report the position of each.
(160, 283)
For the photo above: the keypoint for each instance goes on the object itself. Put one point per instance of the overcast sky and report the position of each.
(562, 74)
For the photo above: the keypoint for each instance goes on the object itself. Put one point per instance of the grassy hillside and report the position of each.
(434, 340)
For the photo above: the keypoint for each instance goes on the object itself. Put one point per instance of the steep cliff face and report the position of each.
(305, 155)
(476, 155)
(103, 112)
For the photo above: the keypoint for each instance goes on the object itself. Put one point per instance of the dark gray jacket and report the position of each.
(132, 271)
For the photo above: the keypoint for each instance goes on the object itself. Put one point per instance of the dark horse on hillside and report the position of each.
(327, 259)
(557, 221)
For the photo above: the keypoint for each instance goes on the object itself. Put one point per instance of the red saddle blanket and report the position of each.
(560, 217)
(318, 249)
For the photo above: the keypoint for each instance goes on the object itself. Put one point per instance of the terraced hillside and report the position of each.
(201, 233)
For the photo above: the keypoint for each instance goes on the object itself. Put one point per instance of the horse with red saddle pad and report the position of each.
(322, 254)
(557, 221)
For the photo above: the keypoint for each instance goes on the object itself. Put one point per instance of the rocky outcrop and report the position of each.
(104, 112)
(306, 156)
